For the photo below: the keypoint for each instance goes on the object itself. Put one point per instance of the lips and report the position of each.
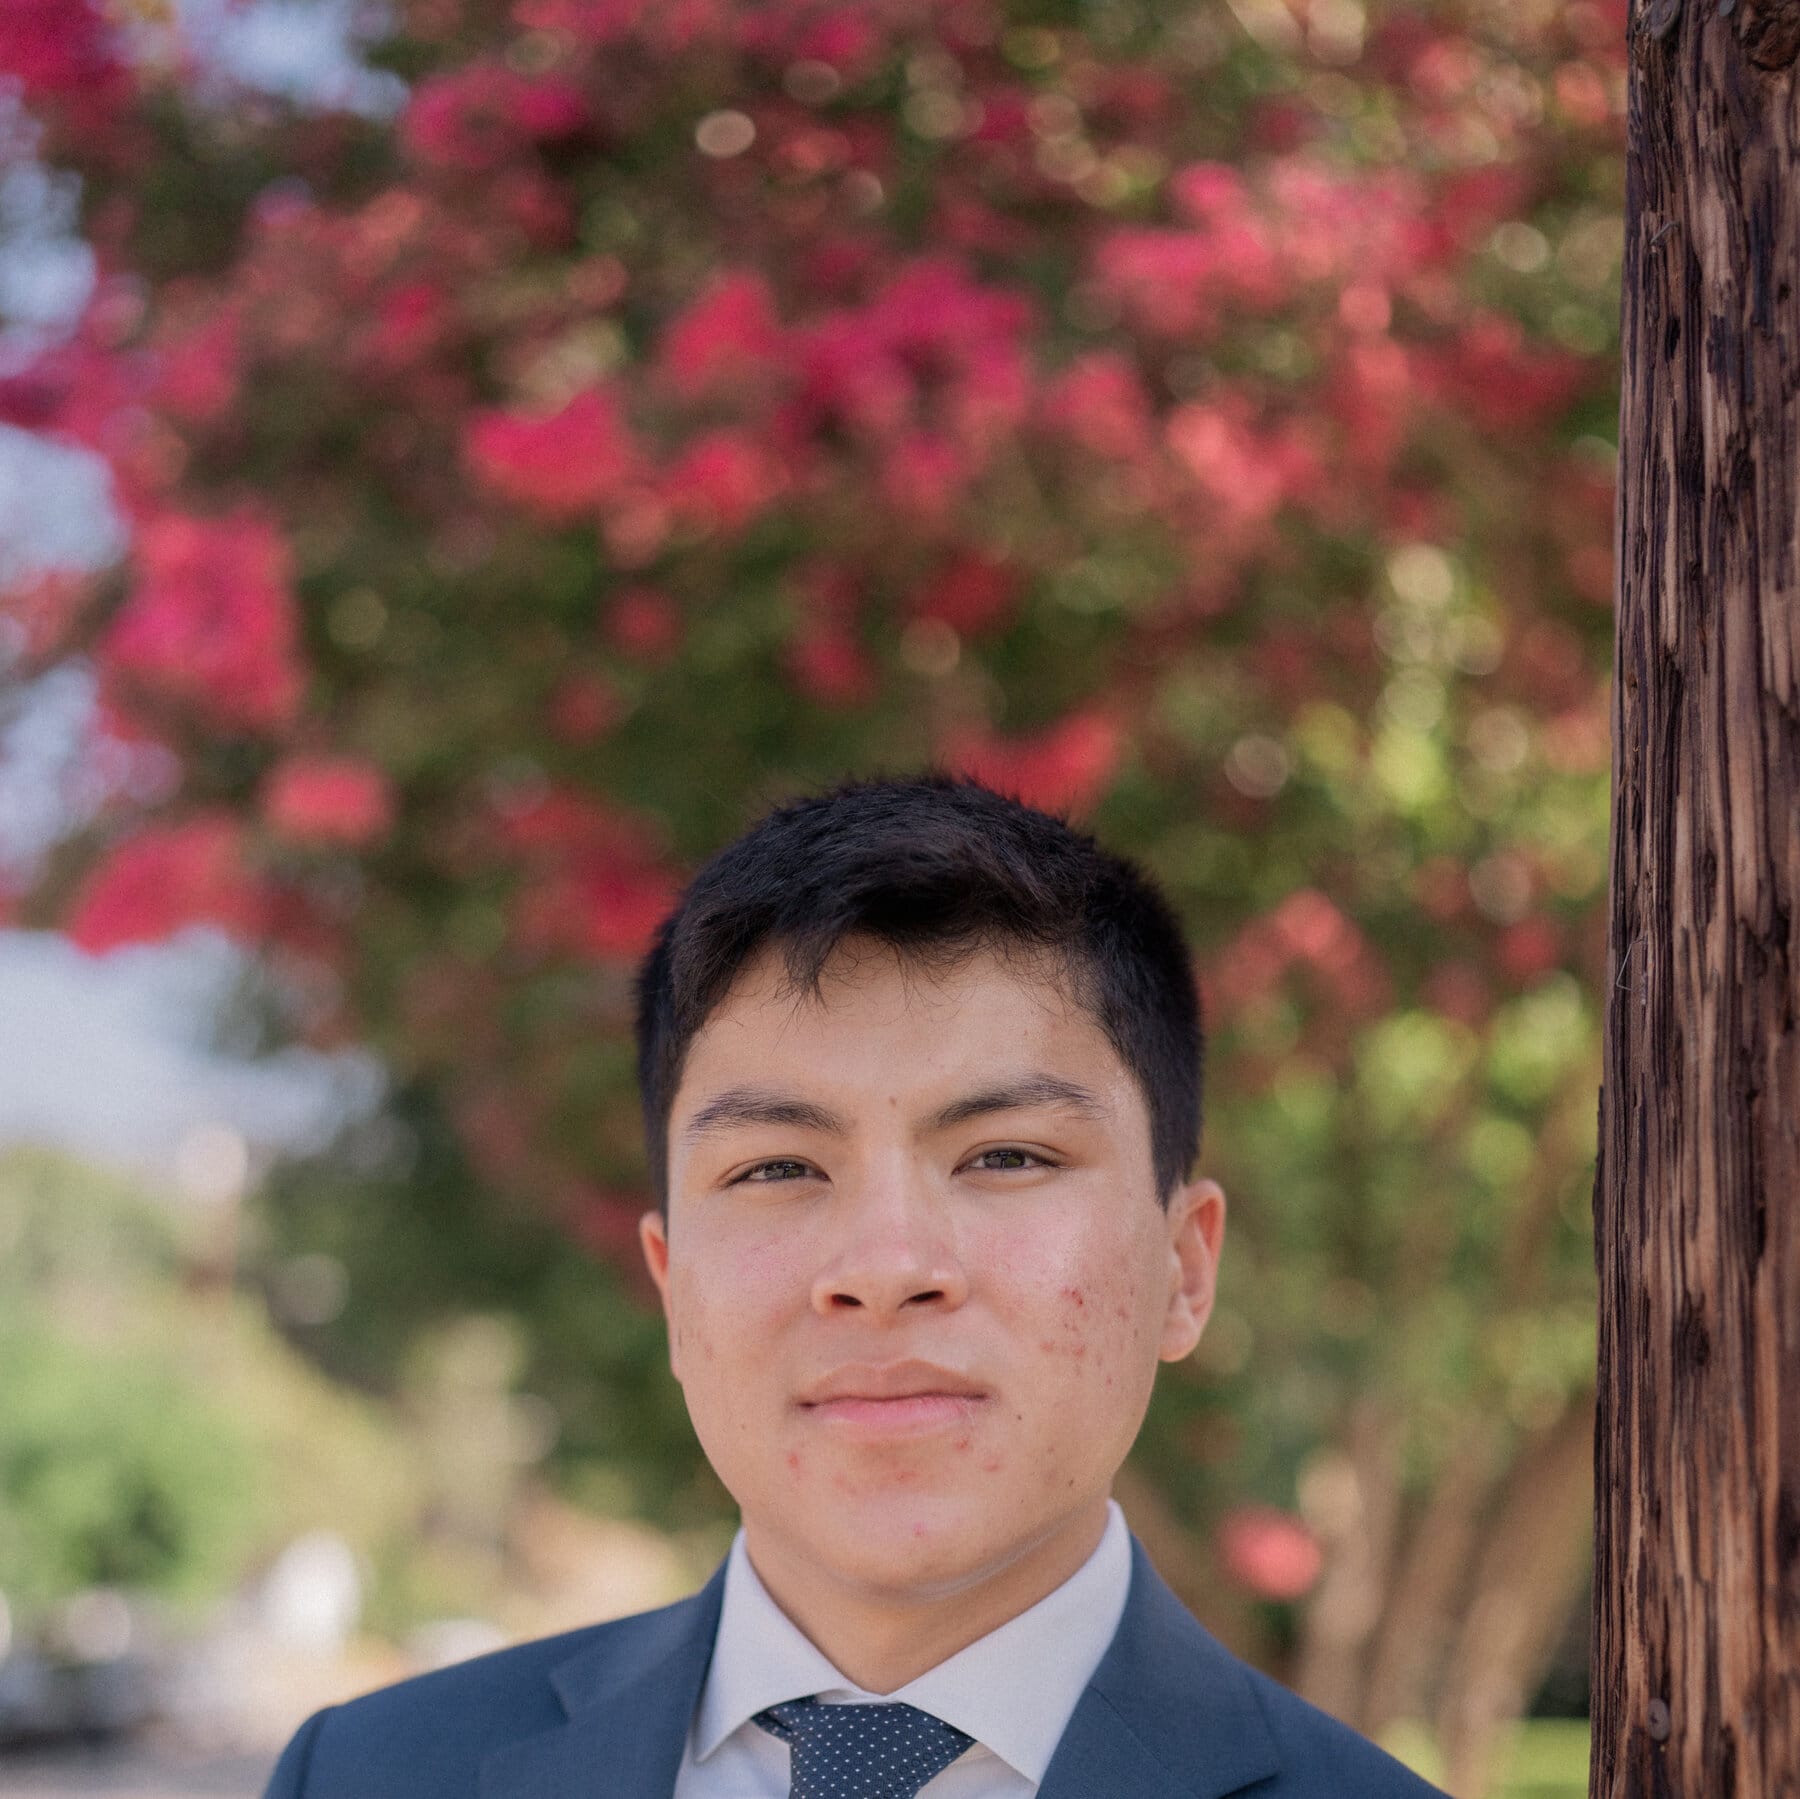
(892, 1399)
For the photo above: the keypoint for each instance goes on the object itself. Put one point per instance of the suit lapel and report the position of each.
(1169, 1714)
(629, 1699)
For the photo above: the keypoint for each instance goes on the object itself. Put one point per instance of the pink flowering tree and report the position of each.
(1199, 419)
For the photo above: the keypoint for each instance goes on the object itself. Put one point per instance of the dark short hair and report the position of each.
(937, 867)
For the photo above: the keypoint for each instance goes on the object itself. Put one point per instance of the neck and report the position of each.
(881, 1637)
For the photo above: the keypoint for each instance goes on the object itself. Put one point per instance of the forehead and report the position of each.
(899, 1019)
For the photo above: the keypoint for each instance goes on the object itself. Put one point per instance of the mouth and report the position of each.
(901, 1399)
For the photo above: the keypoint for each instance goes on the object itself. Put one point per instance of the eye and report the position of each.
(1018, 1158)
(782, 1168)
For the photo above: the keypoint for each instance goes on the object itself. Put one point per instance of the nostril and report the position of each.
(922, 1298)
(846, 1300)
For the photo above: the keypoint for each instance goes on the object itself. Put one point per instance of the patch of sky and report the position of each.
(114, 1056)
(111, 1056)
(56, 507)
(307, 51)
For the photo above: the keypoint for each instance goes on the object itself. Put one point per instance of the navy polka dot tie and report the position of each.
(862, 1751)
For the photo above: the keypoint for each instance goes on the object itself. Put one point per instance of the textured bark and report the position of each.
(1697, 1506)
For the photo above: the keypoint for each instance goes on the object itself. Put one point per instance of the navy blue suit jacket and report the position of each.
(603, 1713)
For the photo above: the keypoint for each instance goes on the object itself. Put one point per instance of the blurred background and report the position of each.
(460, 461)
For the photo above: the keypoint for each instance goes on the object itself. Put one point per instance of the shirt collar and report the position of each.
(1013, 1690)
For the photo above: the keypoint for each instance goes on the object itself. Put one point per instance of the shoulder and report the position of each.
(1313, 1744)
(1181, 1692)
(428, 1735)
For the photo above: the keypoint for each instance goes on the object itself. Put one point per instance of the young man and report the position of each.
(921, 1078)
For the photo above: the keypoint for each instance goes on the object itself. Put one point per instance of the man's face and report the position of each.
(916, 1276)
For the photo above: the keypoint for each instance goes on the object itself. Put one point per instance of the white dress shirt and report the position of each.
(1013, 1690)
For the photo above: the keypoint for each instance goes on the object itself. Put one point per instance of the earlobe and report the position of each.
(1196, 1234)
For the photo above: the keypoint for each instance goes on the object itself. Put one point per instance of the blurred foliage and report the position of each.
(1197, 417)
(114, 1471)
(421, 1243)
(156, 1434)
(116, 1468)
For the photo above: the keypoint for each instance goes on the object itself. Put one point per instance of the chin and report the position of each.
(912, 1545)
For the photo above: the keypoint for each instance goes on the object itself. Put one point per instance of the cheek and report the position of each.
(1090, 1300)
(727, 1306)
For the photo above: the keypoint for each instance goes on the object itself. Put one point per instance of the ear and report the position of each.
(653, 1238)
(1196, 1221)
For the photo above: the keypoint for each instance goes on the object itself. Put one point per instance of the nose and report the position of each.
(894, 1250)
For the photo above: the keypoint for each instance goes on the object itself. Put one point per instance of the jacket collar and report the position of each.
(630, 1697)
(1169, 1714)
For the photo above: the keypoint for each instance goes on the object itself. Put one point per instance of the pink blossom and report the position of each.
(1370, 391)
(830, 667)
(849, 372)
(43, 607)
(644, 624)
(723, 480)
(536, 206)
(922, 476)
(409, 323)
(933, 308)
(583, 708)
(1494, 375)
(931, 329)
(1467, 207)
(1064, 769)
(1167, 282)
(1306, 930)
(558, 465)
(605, 1223)
(1529, 948)
(847, 37)
(1208, 193)
(593, 885)
(972, 594)
(989, 397)
(471, 119)
(165, 878)
(599, 907)
(561, 822)
(210, 620)
(668, 27)
(728, 336)
(328, 800)
(1270, 1552)
(64, 52)
(1099, 400)
(1248, 473)
(197, 371)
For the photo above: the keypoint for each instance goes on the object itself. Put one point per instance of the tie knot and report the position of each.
(862, 1751)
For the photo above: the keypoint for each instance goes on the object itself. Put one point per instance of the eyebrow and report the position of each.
(761, 1105)
(758, 1105)
(1013, 1096)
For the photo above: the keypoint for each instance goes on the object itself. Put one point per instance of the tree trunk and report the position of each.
(1356, 1513)
(1530, 1566)
(1697, 1491)
(1406, 1657)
